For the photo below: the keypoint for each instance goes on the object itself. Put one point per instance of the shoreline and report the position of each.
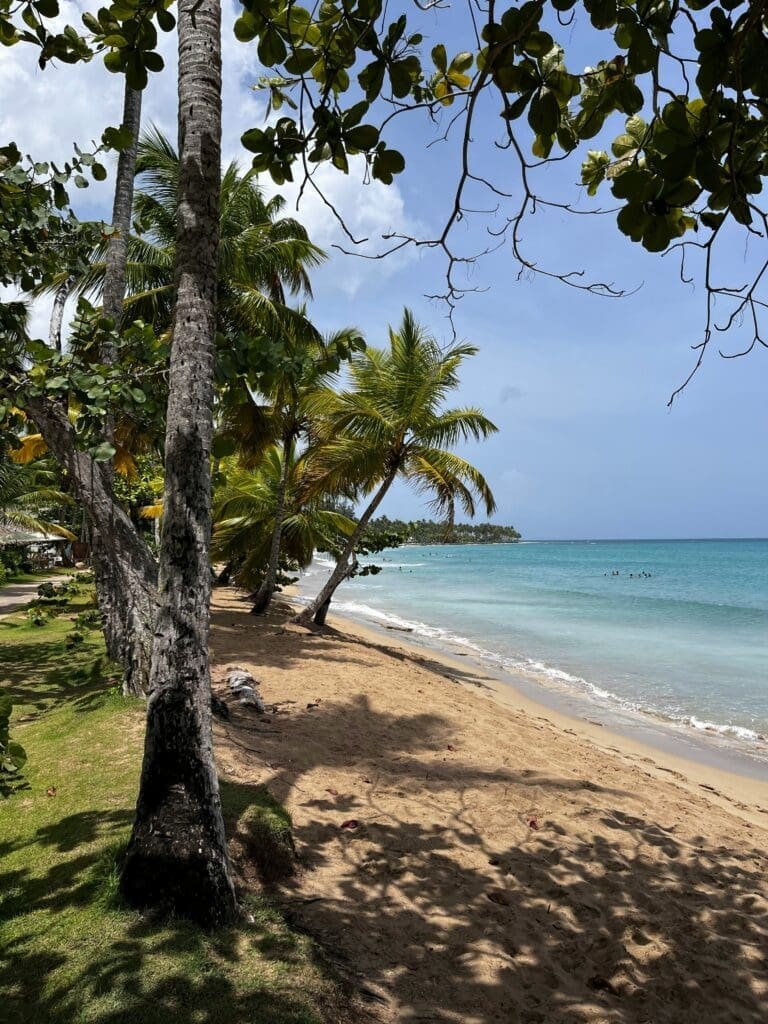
(697, 738)
(474, 856)
(715, 771)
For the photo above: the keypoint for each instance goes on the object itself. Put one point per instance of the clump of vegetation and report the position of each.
(89, 619)
(75, 639)
(262, 832)
(37, 616)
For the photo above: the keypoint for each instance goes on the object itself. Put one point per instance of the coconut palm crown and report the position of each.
(263, 257)
(247, 506)
(392, 422)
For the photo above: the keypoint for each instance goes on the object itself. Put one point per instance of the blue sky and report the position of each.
(577, 385)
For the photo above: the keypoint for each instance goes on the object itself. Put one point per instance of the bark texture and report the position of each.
(177, 861)
(113, 292)
(265, 592)
(126, 574)
(318, 609)
(118, 617)
(57, 311)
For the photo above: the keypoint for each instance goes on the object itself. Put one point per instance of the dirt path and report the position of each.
(16, 595)
(468, 863)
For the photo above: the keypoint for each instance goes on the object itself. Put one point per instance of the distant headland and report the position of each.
(427, 531)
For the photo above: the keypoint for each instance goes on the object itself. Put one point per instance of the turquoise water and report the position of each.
(687, 642)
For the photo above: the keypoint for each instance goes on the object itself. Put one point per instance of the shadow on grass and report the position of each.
(76, 955)
(152, 975)
(40, 672)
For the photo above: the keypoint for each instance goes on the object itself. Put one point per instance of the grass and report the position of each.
(33, 577)
(71, 953)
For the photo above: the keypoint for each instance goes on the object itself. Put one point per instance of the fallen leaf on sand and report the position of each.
(532, 823)
(451, 746)
(350, 823)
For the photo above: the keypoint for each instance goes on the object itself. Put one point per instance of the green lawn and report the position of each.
(69, 952)
(33, 577)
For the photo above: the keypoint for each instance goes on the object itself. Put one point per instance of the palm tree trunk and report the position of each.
(127, 598)
(57, 311)
(113, 292)
(266, 590)
(177, 859)
(318, 609)
(116, 611)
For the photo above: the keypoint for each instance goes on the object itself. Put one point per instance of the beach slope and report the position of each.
(472, 862)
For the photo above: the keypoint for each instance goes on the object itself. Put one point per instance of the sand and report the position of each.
(469, 856)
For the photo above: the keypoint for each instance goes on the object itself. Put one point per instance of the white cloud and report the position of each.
(65, 104)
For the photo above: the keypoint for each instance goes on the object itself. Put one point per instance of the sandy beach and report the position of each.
(470, 856)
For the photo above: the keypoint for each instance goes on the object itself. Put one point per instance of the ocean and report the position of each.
(669, 632)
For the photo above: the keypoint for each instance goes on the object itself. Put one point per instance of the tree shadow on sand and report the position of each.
(586, 915)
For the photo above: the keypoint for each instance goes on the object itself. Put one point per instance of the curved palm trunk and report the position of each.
(318, 609)
(128, 595)
(266, 591)
(177, 859)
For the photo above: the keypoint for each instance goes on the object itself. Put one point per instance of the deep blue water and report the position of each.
(688, 642)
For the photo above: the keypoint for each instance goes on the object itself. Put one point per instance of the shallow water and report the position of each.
(681, 633)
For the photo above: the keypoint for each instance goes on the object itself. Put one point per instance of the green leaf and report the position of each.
(538, 43)
(632, 220)
(47, 8)
(642, 53)
(440, 58)
(117, 138)
(99, 172)
(103, 452)
(153, 61)
(166, 20)
(135, 72)
(246, 28)
(544, 113)
(364, 137)
(113, 61)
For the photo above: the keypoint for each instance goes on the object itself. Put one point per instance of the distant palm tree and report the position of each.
(262, 256)
(391, 423)
(248, 506)
(280, 415)
(28, 495)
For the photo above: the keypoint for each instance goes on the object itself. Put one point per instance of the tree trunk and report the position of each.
(57, 312)
(125, 569)
(117, 615)
(266, 590)
(318, 609)
(177, 861)
(113, 292)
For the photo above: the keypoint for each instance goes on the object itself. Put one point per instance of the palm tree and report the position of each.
(391, 423)
(283, 418)
(262, 256)
(28, 494)
(256, 504)
(177, 859)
